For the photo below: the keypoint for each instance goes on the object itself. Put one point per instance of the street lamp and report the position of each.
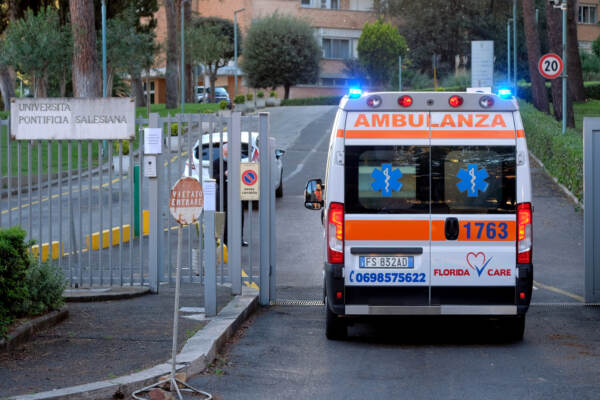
(183, 56)
(508, 50)
(235, 48)
(104, 78)
(514, 48)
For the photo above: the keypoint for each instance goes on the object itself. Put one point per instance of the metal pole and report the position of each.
(235, 55)
(210, 281)
(508, 50)
(182, 57)
(264, 211)
(104, 78)
(564, 57)
(272, 226)
(591, 175)
(234, 210)
(400, 73)
(515, 48)
(176, 310)
(155, 232)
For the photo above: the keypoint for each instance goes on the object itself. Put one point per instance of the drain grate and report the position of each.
(291, 302)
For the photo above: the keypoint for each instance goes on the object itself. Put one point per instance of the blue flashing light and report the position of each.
(505, 93)
(354, 93)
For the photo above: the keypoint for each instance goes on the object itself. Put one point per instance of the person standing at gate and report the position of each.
(216, 170)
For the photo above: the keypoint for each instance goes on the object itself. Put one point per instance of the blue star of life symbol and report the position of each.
(386, 180)
(472, 180)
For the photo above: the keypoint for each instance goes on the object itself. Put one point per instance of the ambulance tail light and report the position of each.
(455, 101)
(335, 233)
(405, 101)
(524, 233)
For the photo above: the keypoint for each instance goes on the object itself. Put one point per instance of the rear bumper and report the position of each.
(425, 300)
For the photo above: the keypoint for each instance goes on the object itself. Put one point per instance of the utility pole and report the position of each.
(508, 79)
(563, 6)
(235, 49)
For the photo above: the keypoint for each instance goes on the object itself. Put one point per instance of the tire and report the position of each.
(514, 328)
(279, 190)
(335, 327)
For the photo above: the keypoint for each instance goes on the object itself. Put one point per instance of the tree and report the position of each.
(86, 72)
(574, 69)
(210, 42)
(171, 75)
(280, 50)
(538, 84)
(554, 19)
(379, 46)
(596, 47)
(37, 45)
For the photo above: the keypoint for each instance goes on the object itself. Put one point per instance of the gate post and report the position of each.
(234, 209)
(591, 174)
(272, 227)
(155, 227)
(264, 209)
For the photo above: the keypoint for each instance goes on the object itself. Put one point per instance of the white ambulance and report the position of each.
(426, 209)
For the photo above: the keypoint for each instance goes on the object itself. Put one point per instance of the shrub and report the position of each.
(313, 101)
(46, 284)
(260, 94)
(223, 105)
(175, 129)
(125, 147)
(249, 97)
(14, 262)
(239, 99)
(562, 155)
(273, 93)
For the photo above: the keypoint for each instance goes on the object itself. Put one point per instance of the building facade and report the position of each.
(588, 28)
(338, 25)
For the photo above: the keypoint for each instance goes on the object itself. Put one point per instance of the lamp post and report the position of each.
(514, 21)
(183, 55)
(508, 50)
(235, 49)
(564, 57)
(104, 78)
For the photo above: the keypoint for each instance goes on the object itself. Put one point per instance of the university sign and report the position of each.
(72, 118)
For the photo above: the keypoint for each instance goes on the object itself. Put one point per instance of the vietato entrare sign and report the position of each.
(186, 200)
(72, 118)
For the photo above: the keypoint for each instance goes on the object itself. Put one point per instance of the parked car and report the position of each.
(220, 95)
(250, 152)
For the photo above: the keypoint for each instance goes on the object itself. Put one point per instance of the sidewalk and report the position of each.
(104, 339)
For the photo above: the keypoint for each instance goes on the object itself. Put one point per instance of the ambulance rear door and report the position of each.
(386, 205)
(473, 208)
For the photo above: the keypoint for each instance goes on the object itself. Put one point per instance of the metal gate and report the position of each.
(92, 211)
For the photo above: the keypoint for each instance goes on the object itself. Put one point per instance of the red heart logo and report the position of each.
(475, 260)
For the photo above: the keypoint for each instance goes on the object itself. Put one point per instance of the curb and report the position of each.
(23, 333)
(88, 296)
(197, 354)
(560, 185)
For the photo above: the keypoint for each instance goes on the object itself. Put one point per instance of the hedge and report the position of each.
(592, 91)
(562, 155)
(313, 101)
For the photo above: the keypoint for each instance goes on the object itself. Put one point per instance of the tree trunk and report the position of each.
(86, 71)
(172, 77)
(554, 20)
(213, 81)
(189, 76)
(286, 91)
(574, 69)
(7, 88)
(137, 88)
(538, 85)
(62, 84)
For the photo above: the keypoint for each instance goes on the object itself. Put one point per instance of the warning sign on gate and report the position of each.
(249, 187)
(186, 201)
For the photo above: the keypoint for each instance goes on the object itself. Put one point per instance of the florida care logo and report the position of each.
(478, 265)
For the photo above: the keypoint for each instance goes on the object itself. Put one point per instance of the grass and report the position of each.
(134, 145)
(590, 108)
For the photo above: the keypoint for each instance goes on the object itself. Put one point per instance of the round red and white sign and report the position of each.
(550, 66)
(186, 200)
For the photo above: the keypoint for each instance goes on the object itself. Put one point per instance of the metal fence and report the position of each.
(90, 209)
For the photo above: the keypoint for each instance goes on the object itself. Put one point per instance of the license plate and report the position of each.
(386, 262)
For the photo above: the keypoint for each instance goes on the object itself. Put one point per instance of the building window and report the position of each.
(334, 82)
(337, 49)
(305, 3)
(587, 14)
(151, 91)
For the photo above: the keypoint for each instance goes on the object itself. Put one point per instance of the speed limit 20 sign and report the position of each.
(550, 66)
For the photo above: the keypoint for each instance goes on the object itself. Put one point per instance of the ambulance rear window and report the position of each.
(387, 179)
(473, 179)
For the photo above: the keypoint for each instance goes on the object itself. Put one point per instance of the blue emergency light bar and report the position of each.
(505, 93)
(354, 93)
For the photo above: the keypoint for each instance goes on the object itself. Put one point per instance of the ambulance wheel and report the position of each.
(279, 190)
(514, 328)
(335, 327)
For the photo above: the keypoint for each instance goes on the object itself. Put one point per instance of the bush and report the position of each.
(313, 101)
(14, 263)
(46, 284)
(223, 105)
(175, 129)
(273, 93)
(239, 99)
(249, 97)
(562, 155)
(260, 94)
(125, 148)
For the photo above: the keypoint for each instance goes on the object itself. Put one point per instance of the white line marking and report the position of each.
(301, 164)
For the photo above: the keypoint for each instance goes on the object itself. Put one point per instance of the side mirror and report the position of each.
(279, 153)
(313, 195)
